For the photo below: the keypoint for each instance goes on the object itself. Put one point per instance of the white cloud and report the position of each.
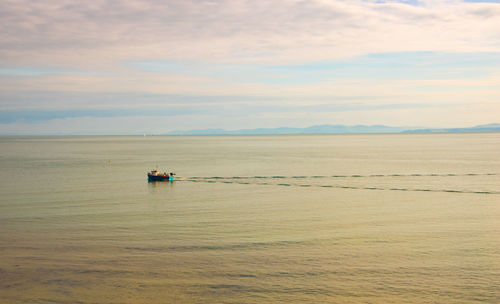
(102, 33)
(100, 40)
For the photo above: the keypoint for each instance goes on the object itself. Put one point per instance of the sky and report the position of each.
(116, 67)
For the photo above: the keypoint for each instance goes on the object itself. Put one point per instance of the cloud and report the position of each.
(34, 116)
(64, 61)
(103, 33)
(466, 115)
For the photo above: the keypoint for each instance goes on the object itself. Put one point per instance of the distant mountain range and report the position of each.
(338, 129)
(494, 127)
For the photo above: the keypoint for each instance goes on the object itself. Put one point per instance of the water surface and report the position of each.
(410, 218)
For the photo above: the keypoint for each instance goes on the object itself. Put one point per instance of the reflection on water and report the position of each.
(155, 186)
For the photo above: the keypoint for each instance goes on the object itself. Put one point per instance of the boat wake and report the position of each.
(295, 181)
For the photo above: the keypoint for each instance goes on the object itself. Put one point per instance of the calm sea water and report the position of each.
(251, 219)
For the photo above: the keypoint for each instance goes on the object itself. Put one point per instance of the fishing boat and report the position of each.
(155, 176)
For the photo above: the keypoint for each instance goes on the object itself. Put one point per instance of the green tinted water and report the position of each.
(251, 219)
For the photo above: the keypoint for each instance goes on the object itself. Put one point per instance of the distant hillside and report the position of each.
(337, 129)
(494, 127)
(320, 129)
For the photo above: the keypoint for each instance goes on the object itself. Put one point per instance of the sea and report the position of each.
(380, 218)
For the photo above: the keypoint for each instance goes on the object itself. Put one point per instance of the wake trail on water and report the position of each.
(341, 176)
(258, 180)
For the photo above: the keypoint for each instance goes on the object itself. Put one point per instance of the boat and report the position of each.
(155, 176)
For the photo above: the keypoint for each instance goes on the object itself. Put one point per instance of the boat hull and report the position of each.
(159, 178)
